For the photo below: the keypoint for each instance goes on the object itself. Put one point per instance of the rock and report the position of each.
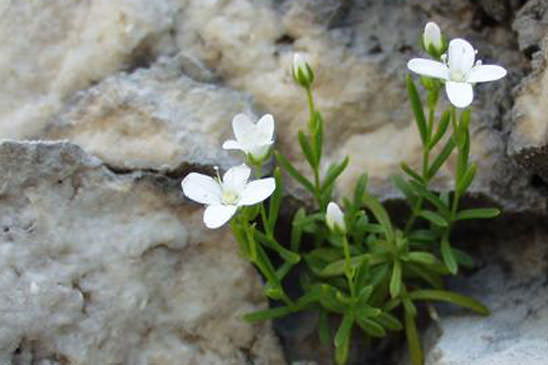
(528, 142)
(155, 118)
(512, 283)
(99, 268)
(54, 49)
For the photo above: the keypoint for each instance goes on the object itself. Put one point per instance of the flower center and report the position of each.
(229, 197)
(458, 76)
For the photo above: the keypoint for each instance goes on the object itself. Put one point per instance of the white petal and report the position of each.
(236, 177)
(334, 217)
(217, 215)
(244, 129)
(484, 73)
(428, 67)
(257, 191)
(265, 127)
(432, 36)
(259, 152)
(231, 145)
(461, 56)
(460, 93)
(201, 188)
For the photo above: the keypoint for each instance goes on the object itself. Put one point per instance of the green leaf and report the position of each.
(448, 258)
(389, 322)
(275, 200)
(425, 258)
(366, 311)
(359, 191)
(464, 153)
(422, 236)
(481, 213)
(413, 341)
(442, 157)
(333, 173)
(371, 327)
(287, 255)
(442, 128)
(405, 188)
(464, 119)
(291, 170)
(365, 294)
(307, 149)
(422, 272)
(318, 137)
(466, 179)
(323, 328)
(412, 173)
(418, 111)
(331, 300)
(463, 258)
(435, 218)
(342, 338)
(395, 279)
(423, 191)
(296, 230)
(338, 267)
(381, 215)
(450, 297)
(268, 314)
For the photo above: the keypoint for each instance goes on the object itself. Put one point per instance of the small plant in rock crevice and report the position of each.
(358, 264)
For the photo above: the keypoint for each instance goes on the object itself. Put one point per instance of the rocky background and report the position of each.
(106, 104)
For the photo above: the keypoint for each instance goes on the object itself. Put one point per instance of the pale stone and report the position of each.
(97, 268)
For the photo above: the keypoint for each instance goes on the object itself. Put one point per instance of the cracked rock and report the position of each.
(99, 268)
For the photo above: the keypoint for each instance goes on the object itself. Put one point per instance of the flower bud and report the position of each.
(432, 40)
(334, 218)
(302, 72)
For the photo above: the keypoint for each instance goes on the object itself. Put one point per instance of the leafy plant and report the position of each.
(359, 265)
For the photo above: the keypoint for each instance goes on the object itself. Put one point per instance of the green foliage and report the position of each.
(377, 270)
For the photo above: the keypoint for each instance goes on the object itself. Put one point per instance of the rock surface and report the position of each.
(512, 283)
(99, 268)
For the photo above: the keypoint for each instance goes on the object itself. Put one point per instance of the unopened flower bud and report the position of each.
(302, 72)
(432, 40)
(334, 218)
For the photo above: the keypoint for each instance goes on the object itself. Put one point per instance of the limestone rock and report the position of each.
(99, 268)
(512, 284)
(529, 137)
(52, 49)
(155, 118)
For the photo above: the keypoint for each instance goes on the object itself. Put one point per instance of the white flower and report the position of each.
(223, 197)
(254, 139)
(458, 71)
(334, 218)
(432, 37)
(302, 72)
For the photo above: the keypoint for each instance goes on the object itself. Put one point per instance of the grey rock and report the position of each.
(99, 268)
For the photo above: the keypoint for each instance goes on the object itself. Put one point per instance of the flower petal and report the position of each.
(265, 127)
(217, 215)
(259, 152)
(244, 129)
(334, 217)
(484, 73)
(427, 67)
(201, 188)
(236, 177)
(257, 191)
(231, 145)
(460, 93)
(461, 56)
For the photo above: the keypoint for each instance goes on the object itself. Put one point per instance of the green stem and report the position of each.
(348, 268)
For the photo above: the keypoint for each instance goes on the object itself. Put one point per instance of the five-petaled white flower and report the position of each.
(253, 139)
(223, 197)
(334, 218)
(459, 71)
(431, 37)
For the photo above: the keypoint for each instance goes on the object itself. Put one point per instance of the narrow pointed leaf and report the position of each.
(291, 170)
(450, 297)
(482, 213)
(418, 111)
(381, 215)
(342, 339)
(466, 179)
(448, 258)
(395, 280)
(389, 322)
(333, 174)
(412, 173)
(435, 218)
(268, 314)
(442, 157)
(275, 200)
(371, 327)
(307, 149)
(413, 341)
(442, 128)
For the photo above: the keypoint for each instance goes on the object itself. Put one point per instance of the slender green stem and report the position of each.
(348, 268)
(311, 108)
